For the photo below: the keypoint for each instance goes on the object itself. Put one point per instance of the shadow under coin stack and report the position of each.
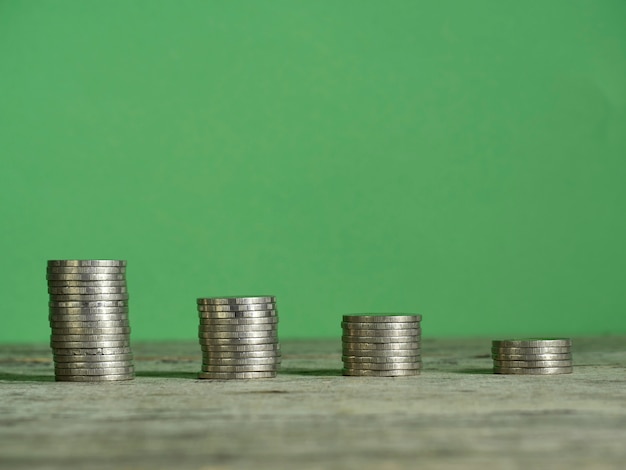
(532, 356)
(89, 319)
(239, 337)
(381, 345)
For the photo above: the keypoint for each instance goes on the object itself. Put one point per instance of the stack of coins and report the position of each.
(532, 356)
(381, 345)
(89, 319)
(239, 337)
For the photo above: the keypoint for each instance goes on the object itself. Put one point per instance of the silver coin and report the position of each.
(87, 337)
(381, 339)
(94, 378)
(380, 373)
(214, 349)
(381, 365)
(97, 331)
(532, 343)
(94, 317)
(86, 262)
(236, 308)
(272, 320)
(382, 359)
(242, 355)
(256, 299)
(91, 365)
(244, 368)
(86, 290)
(390, 353)
(87, 284)
(374, 318)
(533, 370)
(236, 375)
(380, 346)
(524, 351)
(86, 277)
(87, 297)
(87, 310)
(266, 334)
(219, 361)
(368, 332)
(96, 371)
(89, 304)
(92, 358)
(379, 326)
(89, 344)
(533, 364)
(90, 324)
(86, 270)
(249, 314)
(97, 352)
(532, 357)
(268, 328)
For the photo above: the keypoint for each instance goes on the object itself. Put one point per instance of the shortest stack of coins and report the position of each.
(89, 319)
(533, 356)
(381, 345)
(239, 337)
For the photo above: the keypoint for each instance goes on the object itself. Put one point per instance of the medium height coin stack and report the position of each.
(532, 356)
(239, 337)
(381, 345)
(89, 319)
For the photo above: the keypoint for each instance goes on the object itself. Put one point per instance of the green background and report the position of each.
(465, 160)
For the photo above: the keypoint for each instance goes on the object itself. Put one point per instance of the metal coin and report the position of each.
(87, 310)
(534, 364)
(87, 297)
(382, 333)
(89, 304)
(97, 352)
(86, 277)
(89, 344)
(214, 349)
(236, 308)
(96, 371)
(380, 373)
(380, 339)
(245, 368)
(523, 351)
(236, 375)
(390, 346)
(256, 299)
(92, 364)
(87, 290)
(379, 326)
(248, 314)
(87, 283)
(267, 327)
(90, 324)
(382, 359)
(92, 358)
(533, 370)
(271, 334)
(532, 343)
(97, 331)
(373, 318)
(272, 320)
(86, 337)
(241, 341)
(94, 378)
(532, 357)
(390, 353)
(90, 318)
(219, 361)
(85, 270)
(242, 355)
(87, 262)
(382, 365)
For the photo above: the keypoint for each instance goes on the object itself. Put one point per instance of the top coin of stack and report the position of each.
(239, 337)
(89, 319)
(381, 345)
(533, 356)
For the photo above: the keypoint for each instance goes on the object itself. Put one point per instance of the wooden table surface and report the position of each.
(456, 414)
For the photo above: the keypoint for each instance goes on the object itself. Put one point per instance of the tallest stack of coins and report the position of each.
(89, 319)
